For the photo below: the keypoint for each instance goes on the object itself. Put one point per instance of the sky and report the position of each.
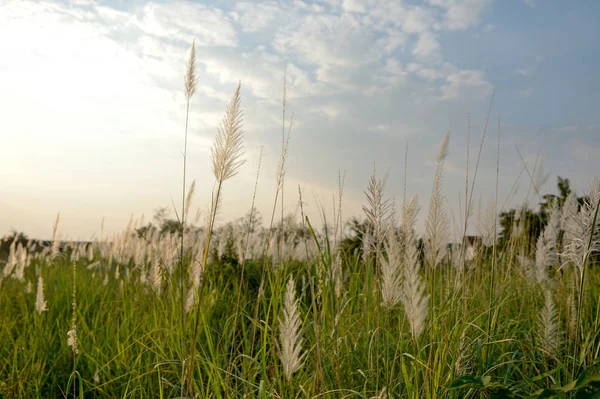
(93, 108)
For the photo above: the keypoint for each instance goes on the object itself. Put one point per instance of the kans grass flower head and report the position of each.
(290, 334)
(72, 333)
(227, 150)
(40, 302)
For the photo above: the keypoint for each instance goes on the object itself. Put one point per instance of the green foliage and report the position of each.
(587, 386)
(134, 336)
(532, 222)
(131, 338)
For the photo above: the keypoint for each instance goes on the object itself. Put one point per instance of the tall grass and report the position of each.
(315, 317)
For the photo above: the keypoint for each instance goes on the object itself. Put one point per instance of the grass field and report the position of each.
(291, 312)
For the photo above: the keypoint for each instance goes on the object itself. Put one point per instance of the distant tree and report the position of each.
(170, 226)
(251, 222)
(532, 222)
(352, 244)
(525, 224)
(564, 188)
(19, 237)
(14, 236)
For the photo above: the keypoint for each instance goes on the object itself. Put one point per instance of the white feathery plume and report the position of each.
(155, 275)
(486, 225)
(72, 333)
(225, 156)
(189, 300)
(75, 254)
(585, 241)
(519, 221)
(436, 228)
(568, 218)
(188, 200)
(143, 277)
(223, 236)
(548, 325)
(196, 273)
(391, 277)
(527, 267)
(190, 79)
(195, 283)
(336, 271)
(93, 265)
(12, 259)
(463, 360)
(55, 240)
(586, 234)
(290, 333)
(72, 339)
(546, 253)
(381, 395)
(40, 302)
(413, 296)
(366, 244)
(377, 212)
(227, 150)
(22, 262)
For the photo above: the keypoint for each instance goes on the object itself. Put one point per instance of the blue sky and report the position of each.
(93, 104)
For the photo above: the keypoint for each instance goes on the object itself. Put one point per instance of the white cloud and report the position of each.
(525, 71)
(526, 92)
(358, 6)
(530, 3)
(325, 40)
(186, 21)
(418, 20)
(465, 82)
(212, 93)
(392, 40)
(348, 52)
(430, 74)
(86, 107)
(462, 14)
(254, 17)
(331, 110)
(584, 152)
(567, 129)
(530, 69)
(489, 28)
(427, 46)
(117, 77)
(395, 130)
(261, 72)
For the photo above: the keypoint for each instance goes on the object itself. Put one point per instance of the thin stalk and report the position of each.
(283, 103)
(200, 291)
(280, 176)
(225, 156)
(491, 288)
(470, 201)
(190, 88)
(239, 293)
(181, 267)
(463, 270)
